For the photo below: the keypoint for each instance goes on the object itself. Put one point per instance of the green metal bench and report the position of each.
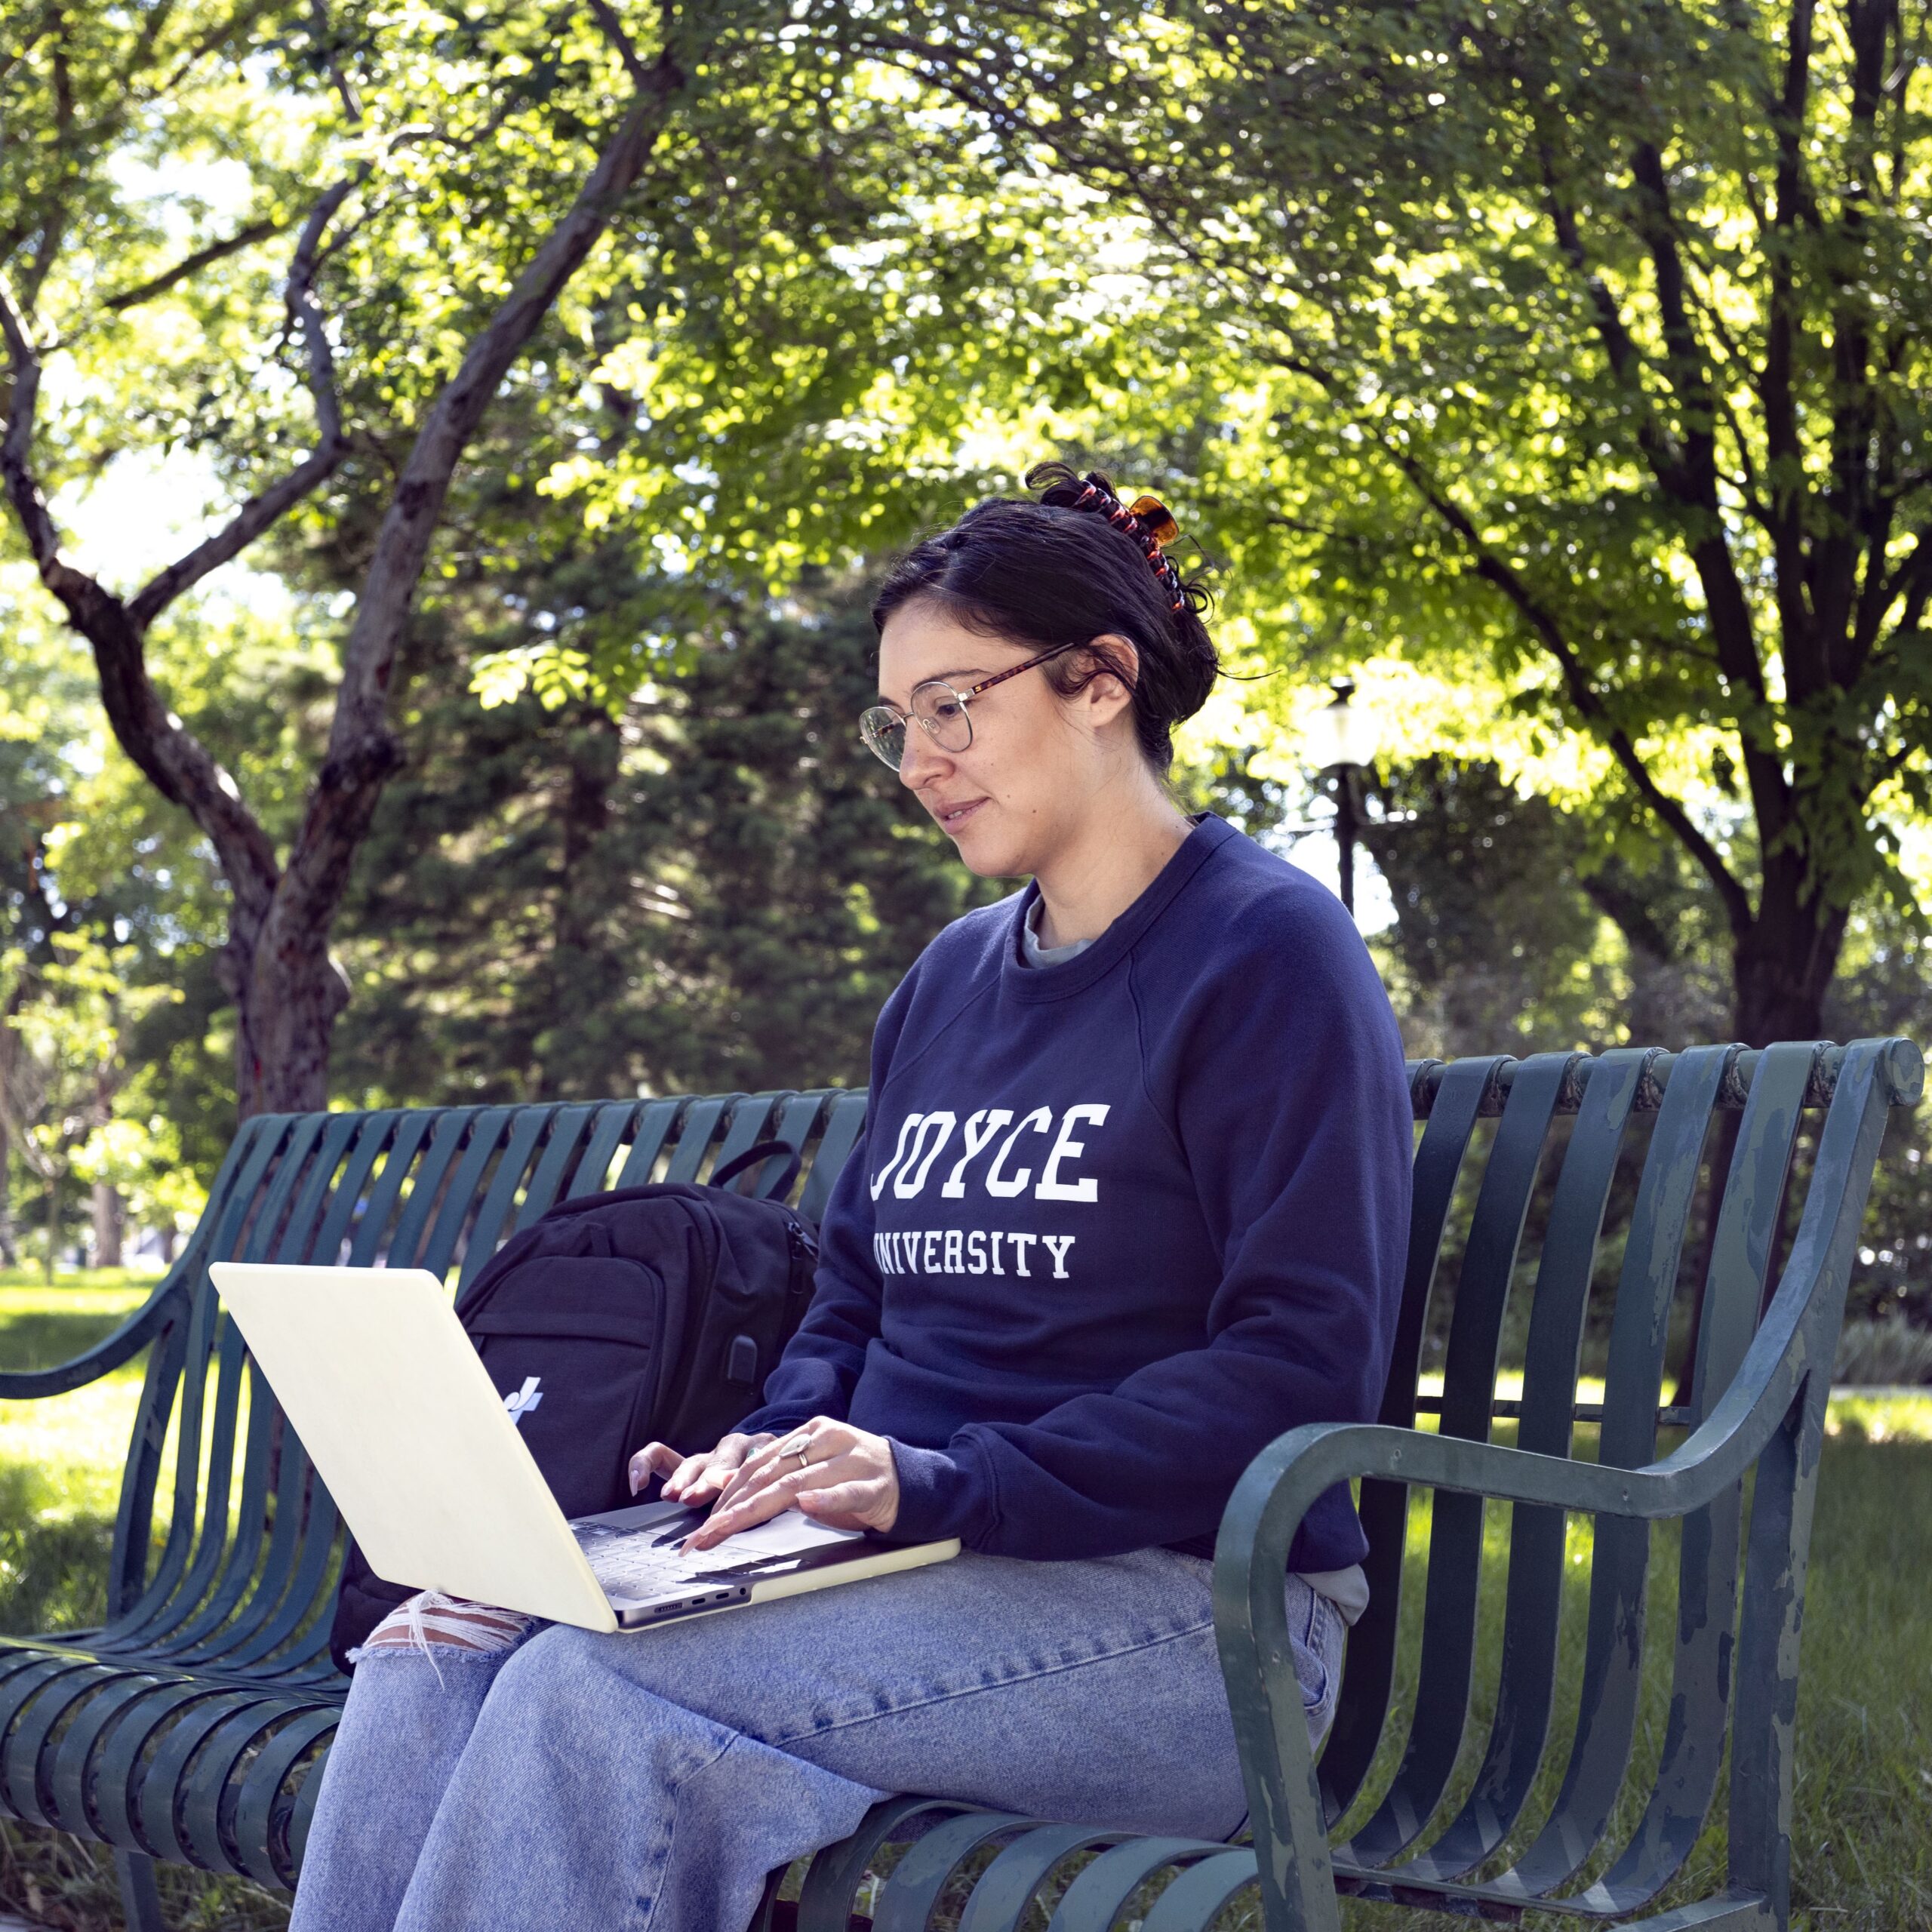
(190, 1726)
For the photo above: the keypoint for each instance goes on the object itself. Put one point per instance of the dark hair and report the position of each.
(1047, 573)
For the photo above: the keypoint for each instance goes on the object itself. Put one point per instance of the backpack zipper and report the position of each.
(805, 1257)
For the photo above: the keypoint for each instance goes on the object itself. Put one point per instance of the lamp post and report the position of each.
(1341, 740)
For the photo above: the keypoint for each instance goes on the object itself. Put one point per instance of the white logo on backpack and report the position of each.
(520, 1400)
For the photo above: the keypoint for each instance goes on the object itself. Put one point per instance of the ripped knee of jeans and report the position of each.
(430, 1621)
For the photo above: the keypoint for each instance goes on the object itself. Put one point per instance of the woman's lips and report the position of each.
(952, 817)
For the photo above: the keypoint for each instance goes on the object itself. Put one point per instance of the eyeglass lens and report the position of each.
(942, 714)
(885, 731)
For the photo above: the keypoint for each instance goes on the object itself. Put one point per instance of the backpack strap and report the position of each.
(754, 1157)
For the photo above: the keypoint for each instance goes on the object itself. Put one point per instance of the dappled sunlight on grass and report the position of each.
(1886, 1418)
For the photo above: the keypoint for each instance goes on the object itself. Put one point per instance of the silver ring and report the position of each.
(804, 1460)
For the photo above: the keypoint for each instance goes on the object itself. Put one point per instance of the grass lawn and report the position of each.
(1862, 1834)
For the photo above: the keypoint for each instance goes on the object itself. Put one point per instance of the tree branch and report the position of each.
(270, 505)
(173, 761)
(345, 89)
(361, 752)
(1860, 504)
(1695, 485)
(1584, 696)
(192, 265)
(1777, 386)
(613, 32)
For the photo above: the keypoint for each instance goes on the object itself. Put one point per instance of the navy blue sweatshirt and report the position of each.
(1115, 1224)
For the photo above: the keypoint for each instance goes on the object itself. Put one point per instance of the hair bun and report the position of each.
(1148, 520)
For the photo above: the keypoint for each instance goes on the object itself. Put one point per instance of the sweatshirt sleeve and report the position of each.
(820, 1368)
(1282, 1078)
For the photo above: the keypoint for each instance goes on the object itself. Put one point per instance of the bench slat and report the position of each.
(526, 1133)
(566, 1129)
(1526, 1688)
(844, 1121)
(600, 1149)
(1368, 1683)
(700, 1123)
(410, 1243)
(483, 1131)
(657, 1122)
(748, 1123)
(1613, 1651)
(1741, 1250)
(1441, 1703)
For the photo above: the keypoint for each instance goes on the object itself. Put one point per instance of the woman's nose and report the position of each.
(922, 761)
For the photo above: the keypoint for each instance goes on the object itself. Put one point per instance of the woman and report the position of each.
(1133, 1200)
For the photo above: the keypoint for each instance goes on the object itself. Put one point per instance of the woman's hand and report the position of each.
(828, 1470)
(693, 1481)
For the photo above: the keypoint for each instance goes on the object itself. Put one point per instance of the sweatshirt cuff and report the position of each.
(772, 1421)
(937, 1497)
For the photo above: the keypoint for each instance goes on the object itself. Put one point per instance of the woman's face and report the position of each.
(1039, 765)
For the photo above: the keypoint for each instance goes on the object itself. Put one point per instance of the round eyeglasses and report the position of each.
(939, 710)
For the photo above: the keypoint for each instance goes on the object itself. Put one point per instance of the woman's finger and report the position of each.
(735, 1454)
(686, 1472)
(698, 1478)
(654, 1459)
(814, 1437)
(773, 1479)
(764, 1501)
(705, 1486)
(841, 1501)
(760, 1507)
(754, 1469)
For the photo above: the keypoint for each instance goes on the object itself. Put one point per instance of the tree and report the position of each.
(1592, 342)
(1506, 938)
(717, 886)
(84, 94)
(722, 384)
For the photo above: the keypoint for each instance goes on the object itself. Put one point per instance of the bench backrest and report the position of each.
(246, 1567)
(1554, 1142)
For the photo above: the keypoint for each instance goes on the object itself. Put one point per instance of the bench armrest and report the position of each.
(106, 1354)
(1779, 1392)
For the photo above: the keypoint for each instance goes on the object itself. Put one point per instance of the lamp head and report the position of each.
(1339, 733)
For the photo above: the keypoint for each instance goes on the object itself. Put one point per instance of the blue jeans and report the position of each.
(650, 1780)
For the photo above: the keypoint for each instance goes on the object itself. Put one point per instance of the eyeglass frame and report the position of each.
(963, 698)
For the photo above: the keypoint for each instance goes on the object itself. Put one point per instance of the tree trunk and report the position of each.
(1781, 969)
(110, 1222)
(10, 1048)
(287, 998)
(104, 1206)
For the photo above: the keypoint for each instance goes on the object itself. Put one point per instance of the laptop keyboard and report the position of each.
(627, 1566)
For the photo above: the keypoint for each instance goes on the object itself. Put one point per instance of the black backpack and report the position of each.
(654, 1313)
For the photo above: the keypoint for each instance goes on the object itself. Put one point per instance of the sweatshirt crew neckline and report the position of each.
(1060, 979)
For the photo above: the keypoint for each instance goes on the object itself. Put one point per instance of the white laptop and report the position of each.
(400, 1417)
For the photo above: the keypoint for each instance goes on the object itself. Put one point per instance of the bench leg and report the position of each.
(140, 1897)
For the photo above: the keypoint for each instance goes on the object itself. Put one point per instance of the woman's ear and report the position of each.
(1116, 665)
